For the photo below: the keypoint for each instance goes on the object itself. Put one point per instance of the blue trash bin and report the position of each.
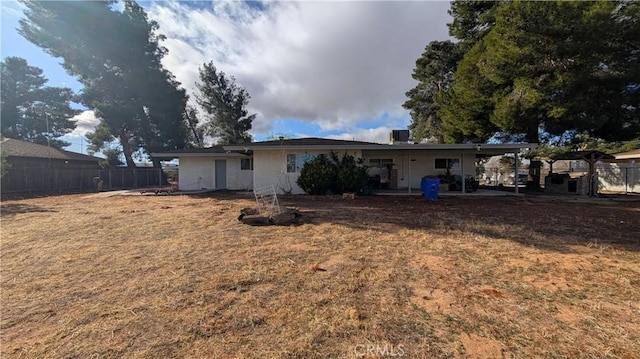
(429, 187)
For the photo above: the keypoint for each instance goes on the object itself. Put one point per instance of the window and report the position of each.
(450, 163)
(380, 162)
(246, 164)
(295, 161)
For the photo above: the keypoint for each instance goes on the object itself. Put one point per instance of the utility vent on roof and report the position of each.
(401, 136)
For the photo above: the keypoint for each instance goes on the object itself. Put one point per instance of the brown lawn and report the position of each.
(86, 276)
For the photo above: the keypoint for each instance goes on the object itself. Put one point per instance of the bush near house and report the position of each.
(332, 174)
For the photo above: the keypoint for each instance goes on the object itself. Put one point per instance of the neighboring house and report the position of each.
(277, 163)
(622, 174)
(36, 168)
(22, 154)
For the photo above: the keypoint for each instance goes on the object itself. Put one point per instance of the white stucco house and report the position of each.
(620, 175)
(212, 168)
(277, 163)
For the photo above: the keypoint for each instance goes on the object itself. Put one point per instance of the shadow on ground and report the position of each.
(11, 209)
(544, 223)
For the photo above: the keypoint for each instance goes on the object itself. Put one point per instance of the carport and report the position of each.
(414, 161)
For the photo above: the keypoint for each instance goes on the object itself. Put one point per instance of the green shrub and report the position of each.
(351, 173)
(332, 174)
(318, 176)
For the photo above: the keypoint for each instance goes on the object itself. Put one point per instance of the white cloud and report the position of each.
(332, 63)
(11, 8)
(86, 121)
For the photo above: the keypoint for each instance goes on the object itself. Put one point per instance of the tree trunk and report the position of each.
(126, 148)
(532, 133)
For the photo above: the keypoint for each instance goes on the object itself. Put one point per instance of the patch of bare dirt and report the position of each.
(474, 346)
(179, 276)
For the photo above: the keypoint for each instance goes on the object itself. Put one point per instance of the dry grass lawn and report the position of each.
(85, 276)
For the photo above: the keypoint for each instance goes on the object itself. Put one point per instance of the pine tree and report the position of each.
(434, 73)
(225, 104)
(117, 57)
(30, 110)
(554, 68)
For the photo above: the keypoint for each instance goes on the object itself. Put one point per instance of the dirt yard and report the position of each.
(179, 276)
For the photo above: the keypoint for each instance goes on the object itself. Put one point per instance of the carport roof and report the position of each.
(584, 155)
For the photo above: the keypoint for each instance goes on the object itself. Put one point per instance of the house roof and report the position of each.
(314, 143)
(629, 155)
(308, 141)
(213, 151)
(324, 143)
(16, 148)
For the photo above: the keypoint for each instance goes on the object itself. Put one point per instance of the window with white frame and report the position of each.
(380, 162)
(295, 161)
(246, 164)
(450, 163)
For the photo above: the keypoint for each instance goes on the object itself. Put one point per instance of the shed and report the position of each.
(591, 157)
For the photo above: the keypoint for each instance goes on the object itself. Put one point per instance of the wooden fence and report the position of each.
(55, 180)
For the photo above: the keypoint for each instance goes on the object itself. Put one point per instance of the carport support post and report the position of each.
(593, 189)
(464, 185)
(626, 179)
(409, 181)
(517, 175)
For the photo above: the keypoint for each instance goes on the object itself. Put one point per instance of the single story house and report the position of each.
(212, 168)
(22, 154)
(31, 167)
(277, 163)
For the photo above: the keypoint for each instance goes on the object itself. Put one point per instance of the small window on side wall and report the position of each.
(246, 164)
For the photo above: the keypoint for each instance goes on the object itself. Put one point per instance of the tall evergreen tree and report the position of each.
(225, 104)
(554, 68)
(465, 110)
(116, 56)
(434, 73)
(30, 110)
(472, 19)
(196, 132)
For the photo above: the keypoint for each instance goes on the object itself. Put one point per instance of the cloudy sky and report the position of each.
(327, 69)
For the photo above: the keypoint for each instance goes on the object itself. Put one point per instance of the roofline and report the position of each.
(248, 147)
(52, 152)
(478, 147)
(198, 154)
(93, 159)
(627, 157)
(466, 146)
